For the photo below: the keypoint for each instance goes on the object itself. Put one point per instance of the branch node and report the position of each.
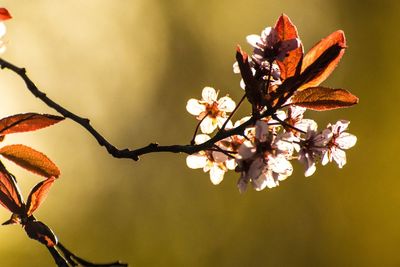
(153, 145)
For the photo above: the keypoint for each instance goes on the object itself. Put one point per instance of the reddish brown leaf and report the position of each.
(27, 122)
(10, 197)
(30, 159)
(322, 98)
(287, 31)
(335, 38)
(41, 232)
(4, 14)
(252, 92)
(38, 195)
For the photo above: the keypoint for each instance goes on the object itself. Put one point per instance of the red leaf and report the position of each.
(10, 197)
(322, 98)
(41, 232)
(334, 38)
(4, 14)
(30, 159)
(38, 195)
(287, 31)
(27, 122)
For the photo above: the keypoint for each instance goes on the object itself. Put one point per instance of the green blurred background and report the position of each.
(130, 66)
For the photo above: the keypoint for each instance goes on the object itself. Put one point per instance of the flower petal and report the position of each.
(307, 125)
(287, 46)
(339, 156)
(308, 161)
(208, 125)
(201, 138)
(216, 175)
(340, 126)
(219, 157)
(296, 112)
(231, 164)
(196, 161)
(221, 121)
(236, 68)
(262, 130)
(256, 168)
(326, 157)
(226, 104)
(282, 167)
(209, 95)
(246, 150)
(194, 107)
(346, 140)
(3, 29)
(253, 40)
(242, 185)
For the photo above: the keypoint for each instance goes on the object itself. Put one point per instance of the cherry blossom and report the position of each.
(269, 47)
(340, 141)
(209, 110)
(312, 147)
(217, 163)
(277, 79)
(264, 162)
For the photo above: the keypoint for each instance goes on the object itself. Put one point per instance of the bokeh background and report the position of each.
(130, 66)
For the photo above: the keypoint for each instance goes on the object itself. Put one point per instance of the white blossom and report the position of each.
(269, 47)
(340, 141)
(313, 146)
(217, 163)
(212, 111)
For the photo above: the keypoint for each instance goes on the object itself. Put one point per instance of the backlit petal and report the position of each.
(3, 29)
(209, 94)
(208, 125)
(201, 138)
(196, 161)
(194, 107)
(226, 104)
(216, 175)
(346, 140)
(339, 156)
(253, 40)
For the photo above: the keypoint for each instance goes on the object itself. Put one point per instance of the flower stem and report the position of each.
(232, 113)
(192, 142)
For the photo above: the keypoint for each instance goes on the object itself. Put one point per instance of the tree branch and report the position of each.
(127, 153)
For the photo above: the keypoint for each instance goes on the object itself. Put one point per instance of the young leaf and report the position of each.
(252, 92)
(293, 84)
(10, 197)
(41, 232)
(27, 122)
(4, 14)
(335, 38)
(38, 195)
(30, 159)
(322, 98)
(287, 31)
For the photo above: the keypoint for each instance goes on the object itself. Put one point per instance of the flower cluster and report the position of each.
(281, 83)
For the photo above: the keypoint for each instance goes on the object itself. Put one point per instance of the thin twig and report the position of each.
(232, 113)
(127, 153)
(192, 142)
(223, 151)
